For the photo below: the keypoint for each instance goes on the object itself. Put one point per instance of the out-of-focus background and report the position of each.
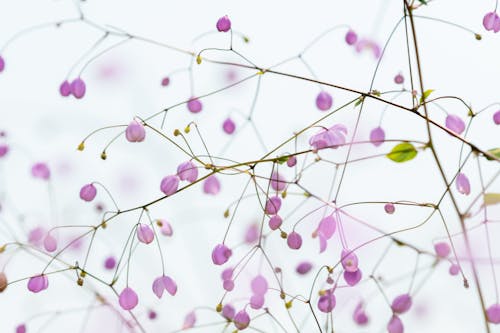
(124, 82)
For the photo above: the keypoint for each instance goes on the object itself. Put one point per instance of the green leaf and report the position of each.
(282, 159)
(402, 152)
(495, 152)
(491, 199)
(423, 2)
(425, 95)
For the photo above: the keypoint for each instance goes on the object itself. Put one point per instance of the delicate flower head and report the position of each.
(259, 285)
(294, 240)
(463, 184)
(135, 132)
(493, 314)
(21, 328)
(324, 101)
(275, 222)
(303, 267)
(292, 161)
(399, 79)
(169, 184)
(257, 301)
(241, 320)
(327, 227)
(377, 136)
(352, 278)
(442, 249)
(50, 243)
(496, 117)
(332, 137)
(368, 44)
(2, 64)
(491, 22)
(211, 185)
(351, 37)
(389, 208)
(454, 269)
(144, 233)
(455, 123)
(165, 81)
(65, 88)
(88, 192)
(228, 311)
(349, 260)
(38, 283)
(252, 234)
(359, 316)
(194, 105)
(229, 126)
(110, 263)
(128, 299)
(401, 303)
(78, 88)
(40, 170)
(395, 325)
(273, 205)
(166, 228)
(327, 302)
(278, 182)
(4, 149)
(221, 254)
(187, 171)
(228, 285)
(164, 283)
(189, 320)
(223, 24)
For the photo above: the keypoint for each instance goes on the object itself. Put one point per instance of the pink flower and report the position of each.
(40, 170)
(223, 24)
(221, 254)
(327, 302)
(164, 283)
(187, 171)
(128, 299)
(351, 37)
(332, 137)
(169, 184)
(135, 132)
(324, 101)
(368, 44)
(88, 192)
(144, 233)
(211, 185)
(78, 88)
(491, 22)
(38, 283)
(455, 123)
(463, 184)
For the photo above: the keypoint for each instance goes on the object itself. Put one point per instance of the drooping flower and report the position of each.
(395, 325)
(493, 314)
(135, 132)
(278, 182)
(273, 205)
(65, 88)
(294, 240)
(88, 192)
(359, 315)
(442, 249)
(50, 243)
(38, 283)
(352, 278)
(221, 254)
(332, 137)
(223, 24)
(399, 78)
(327, 302)
(241, 320)
(229, 126)
(78, 88)
(187, 171)
(303, 267)
(377, 136)
(349, 260)
(275, 222)
(368, 44)
(110, 263)
(401, 303)
(491, 22)
(259, 285)
(324, 101)
(351, 37)
(40, 170)
(455, 123)
(128, 299)
(211, 185)
(169, 184)
(463, 184)
(164, 283)
(194, 105)
(144, 233)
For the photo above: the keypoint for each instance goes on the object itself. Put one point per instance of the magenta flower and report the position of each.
(324, 101)
(332, 137)
(455, 123)
(401, 304)
(227, 274)
(228, 285)
(389, 208)
(349, 260)
(144, 233)
(135, 132)
(36, 235)
(65, 88)
(241, 320)
(187, 171)
(442, 249)
(21, 328)
(165, 81)
(292, 160)
(40, 170)
(211, 185)
(169, 184)
(38, 283)
(2, 64)
(491, 22)
(252, 234)
(50, 243)
(493, 314)
(273, 205)
(78, 88)
(228, 311)
(164, 283)
(463, 184)
(257, 301)
(399, 78)
(352, 278)
(303, 267)
(4, 149)
(395, 325)
(128, 299)
(377, 136)
(278, 182)
(221, 254)
(194, 105)
(454, 269)
(275, 222)
(88, 192)
(189, 320)
(110, 263)
(223, 24)
(368, 44)
(294, 240)
(166, 228)
(229, 126)
(259, 285)
(359, 316)
(327, 302)
(496, 117)
(351, 37)
(327, 227)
